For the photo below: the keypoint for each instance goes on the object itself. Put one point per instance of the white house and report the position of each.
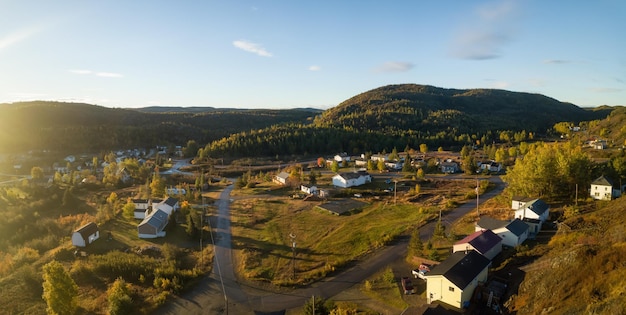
(141, 206)
(454, 280)
(378, 157)
(308, 189)
(485, 242)
(534, 213)
(491, 166)
(342, 159)
(512, 233)
(351, 179)
(168, 205)
(449, 167)
(603, 189)
(85, 235)
(281, 178)
(153, 225)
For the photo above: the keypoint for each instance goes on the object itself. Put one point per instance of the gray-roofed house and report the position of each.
(168, 205)
(153, 225)
(454, 280)
(485, 242)
(534, 213)
(603, 188)
(85, 235)
(282, 178)
(512, 233)
(351, 179)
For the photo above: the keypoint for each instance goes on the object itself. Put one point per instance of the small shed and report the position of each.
(85, 235)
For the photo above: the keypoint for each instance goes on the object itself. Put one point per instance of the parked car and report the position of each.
(421, 271)
(407, 286)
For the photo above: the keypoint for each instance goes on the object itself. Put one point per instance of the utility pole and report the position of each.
(477, 193)
(395, 191)
(201, 229)
(293, 252)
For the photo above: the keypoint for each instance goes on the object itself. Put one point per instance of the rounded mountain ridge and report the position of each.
(433, 109)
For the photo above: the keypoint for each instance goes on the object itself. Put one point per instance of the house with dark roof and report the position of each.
(85, 235)
(351, 179)
(153, 225)
(168, 205)
(454, 280)
(534, 213)
(485, 242)
(603, 188)
(512, 233)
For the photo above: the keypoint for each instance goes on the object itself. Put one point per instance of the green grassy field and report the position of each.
(262, 229)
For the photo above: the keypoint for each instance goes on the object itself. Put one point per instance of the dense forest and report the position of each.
(394, 116)
(397, 116)
(76, 127)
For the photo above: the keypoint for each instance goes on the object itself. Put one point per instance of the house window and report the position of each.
(451, 289)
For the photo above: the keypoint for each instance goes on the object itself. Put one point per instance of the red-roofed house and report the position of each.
(485, 242)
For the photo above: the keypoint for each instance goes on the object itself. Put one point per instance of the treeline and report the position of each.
(293, 139)
(72, 126)
(560, 171)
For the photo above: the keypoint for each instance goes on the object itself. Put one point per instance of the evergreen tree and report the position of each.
(59, 289)
(315, 306)
(416, 246)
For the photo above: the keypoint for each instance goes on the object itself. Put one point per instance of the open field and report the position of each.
(265, 227)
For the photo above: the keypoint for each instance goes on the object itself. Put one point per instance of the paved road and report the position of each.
(211, 289)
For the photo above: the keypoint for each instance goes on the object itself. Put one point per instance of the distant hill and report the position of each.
(199, 109)
(77, 126)
(396, 116)
(433, 109)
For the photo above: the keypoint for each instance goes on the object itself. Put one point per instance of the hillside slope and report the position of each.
(428, 108)
(584, 270)
(76, 126)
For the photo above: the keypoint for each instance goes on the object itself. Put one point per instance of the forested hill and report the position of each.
(76, 126)
(433, 109)
(397, 116)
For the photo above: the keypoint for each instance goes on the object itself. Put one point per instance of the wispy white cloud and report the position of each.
(394, 66)
(80, 71)
(109, 74)
(315, 68)
(489, 30)
(13, 38)
(98, 74)
(252, 47)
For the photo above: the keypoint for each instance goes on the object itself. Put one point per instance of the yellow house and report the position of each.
(454, 280)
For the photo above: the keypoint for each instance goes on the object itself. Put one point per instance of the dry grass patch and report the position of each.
(263, 230)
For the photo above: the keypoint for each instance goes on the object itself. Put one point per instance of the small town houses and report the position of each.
(85, 235)
(603, 188)
(454, 280)
(351, 179)
(155, 214)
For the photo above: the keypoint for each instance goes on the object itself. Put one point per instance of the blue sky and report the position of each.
(287, 54)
